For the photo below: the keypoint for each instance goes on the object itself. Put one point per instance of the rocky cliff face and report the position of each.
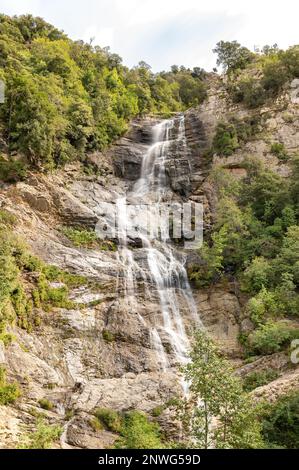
(101, 353)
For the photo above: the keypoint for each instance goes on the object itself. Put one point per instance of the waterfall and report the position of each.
(164, 272)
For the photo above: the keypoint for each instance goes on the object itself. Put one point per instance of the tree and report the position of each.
(281, 422)
(225, 141)
(232, 56)
(219, 413)
(211, 259)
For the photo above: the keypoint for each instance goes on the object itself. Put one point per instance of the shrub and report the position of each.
(8, 392)
(259, 378)
(250, 92)
(12, 171)
(7, 218)
(280, 425)
(256, 275)
(108, 336)
(138, 432)
(80, 237)
(279, 150)
(42, 438)
(262, 306)
(211, 260)
(271, 337)
(290, 59)
(157, 411)
(53, 273)
(225, 141)
(96, 424)
(45, 404)
(109, 418)
(275, 76)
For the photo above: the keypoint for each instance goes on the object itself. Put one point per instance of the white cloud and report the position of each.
(166, 31)
(103, 36)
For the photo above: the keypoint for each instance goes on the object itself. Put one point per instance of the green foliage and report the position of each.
(276, 67)
(80, 237)
(137, 432)
(232, 56)
(260, 249)
(96, 424)
(225, 141)
(249, 91)
(157, 411)
(12, 171)
(110, 419)
(271, 337)
(279, 150)
(45, 404)
(259, 378)
(108, 336)
(280, 425)
(43, 436)
(86, 238)
(275, 75)
(65, 98)
(8, 392)
(257, 274)
(211, 259)
(53, 273)
(7, 218)
(217, 393)
(262, 306)
(17, 303)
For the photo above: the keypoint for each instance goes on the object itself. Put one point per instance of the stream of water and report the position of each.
(165, 271)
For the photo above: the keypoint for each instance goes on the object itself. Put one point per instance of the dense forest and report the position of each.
(65, 98)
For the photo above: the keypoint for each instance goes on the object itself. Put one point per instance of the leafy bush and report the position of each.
(262, 306)
(290, 59)
(280, 425)
(12, 171)
(279, 150)
(42, 438)
(109, 418)
(96, 424)
(225, 141)
(8, 392)
(249, 91)
(80, 237)
(275, 76)
(137, 432)
(7, 218)
(256, 275)
(211, 260)
(108, 336)
(53, 273)
(157, 411)
(271, 337)
(259, 378)
(45, 404)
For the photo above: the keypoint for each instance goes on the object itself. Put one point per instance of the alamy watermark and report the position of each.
(147, 222)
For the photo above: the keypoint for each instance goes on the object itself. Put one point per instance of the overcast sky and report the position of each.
(166, 32)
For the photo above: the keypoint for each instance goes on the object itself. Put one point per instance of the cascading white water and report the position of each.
(164, 271)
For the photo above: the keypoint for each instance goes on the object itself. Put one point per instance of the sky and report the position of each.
(167, 32)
